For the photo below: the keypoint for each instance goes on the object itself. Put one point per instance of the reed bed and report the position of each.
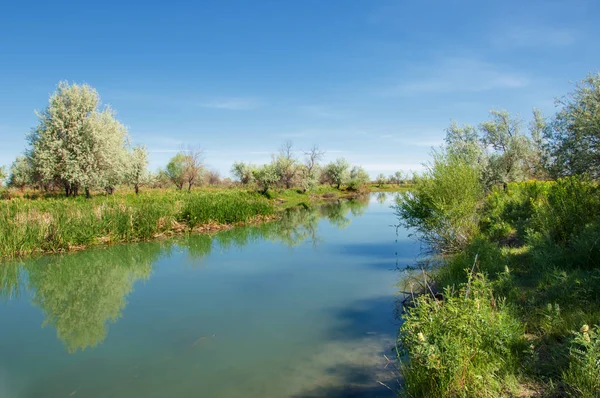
(61, 224)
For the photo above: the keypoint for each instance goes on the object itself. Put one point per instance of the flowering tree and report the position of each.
(76, 143)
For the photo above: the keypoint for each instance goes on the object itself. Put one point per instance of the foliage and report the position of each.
(583, 376)
(175, 170)
(466, 345)
(539, 250)
(358, 178)
(266, 176)
(380, 179)
(441, 206)
(81, 293)
(185, 168)
(336, 173)
(77, 144)
(60, 224)
(21, 173)
(137, 173)
(573, 139)
(243, 172)
(507, 212)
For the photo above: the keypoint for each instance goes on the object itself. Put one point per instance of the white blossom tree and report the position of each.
(21, 173)
(137, 173)
(76, 143)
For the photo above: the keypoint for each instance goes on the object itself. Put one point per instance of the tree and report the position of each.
(193, 166)
(358, 178)
(310, 170)
(2, 174)
(336, 173)
(175, 170)
(312, 158)
(573, 139)
(464, 142)
(380, 179)
(137, 173)
(21, 173)
(286, 165)
(213, 177)
(510, 149)
(266, 176)
(243, 172)
(539, 158)
(76, 143)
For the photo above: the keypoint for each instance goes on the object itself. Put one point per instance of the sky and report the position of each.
(374, 81)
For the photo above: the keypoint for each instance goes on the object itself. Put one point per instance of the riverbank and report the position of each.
(51, 225)
(31, 224)
(515, 312)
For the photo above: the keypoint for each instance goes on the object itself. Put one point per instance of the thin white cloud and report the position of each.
(232, 104)
(220, 103)
(450, 75)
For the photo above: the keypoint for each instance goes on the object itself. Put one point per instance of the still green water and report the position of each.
(302, 307)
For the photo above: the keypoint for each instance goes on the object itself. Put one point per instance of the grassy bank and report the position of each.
(517, 308)
(44, 225)
(32, 222)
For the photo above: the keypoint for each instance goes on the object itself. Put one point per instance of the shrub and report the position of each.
(508, 211)
(571, 204)
(442, 207)
(582, 379)
(467, 345)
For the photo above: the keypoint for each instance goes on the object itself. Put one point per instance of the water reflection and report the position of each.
(81, 293)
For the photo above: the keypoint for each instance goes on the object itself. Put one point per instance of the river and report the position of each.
(302, 307)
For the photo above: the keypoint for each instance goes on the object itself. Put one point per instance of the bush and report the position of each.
(509, 211)
(442, 207)
(583, 377)
(488, 258)
(467, 345)
(570, 205)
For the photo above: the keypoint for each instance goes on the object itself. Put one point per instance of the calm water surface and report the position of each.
(303, 307)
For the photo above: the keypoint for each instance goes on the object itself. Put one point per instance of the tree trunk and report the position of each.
(137, 189)
(87, 193)
(67, 189)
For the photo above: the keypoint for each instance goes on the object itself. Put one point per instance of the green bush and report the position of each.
(570, 205)
(466, 345)
(509, 211)
(582, 379)
(442, 206)
(484, 255)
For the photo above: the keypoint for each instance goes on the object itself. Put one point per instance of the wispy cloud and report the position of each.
(534, 37)
(450, 75)
(233, 104)
(220, 103)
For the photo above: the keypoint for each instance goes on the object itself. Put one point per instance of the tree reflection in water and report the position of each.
(81, 293)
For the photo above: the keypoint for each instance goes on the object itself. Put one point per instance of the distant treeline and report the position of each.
(79, 146)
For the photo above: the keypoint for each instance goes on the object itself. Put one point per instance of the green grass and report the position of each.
(30, 226)
(539, 254)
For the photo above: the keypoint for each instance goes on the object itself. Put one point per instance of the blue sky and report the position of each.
(375, 81)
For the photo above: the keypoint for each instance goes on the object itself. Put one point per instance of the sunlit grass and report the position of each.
(58, 224)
